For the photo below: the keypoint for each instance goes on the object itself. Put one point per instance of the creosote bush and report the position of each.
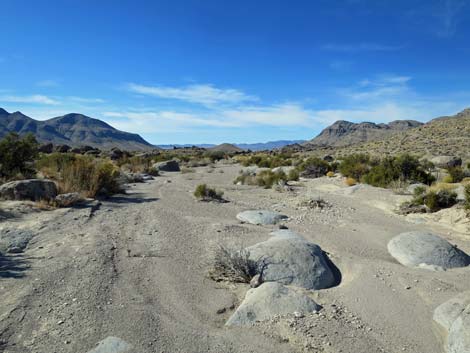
(456, 175)
(385, 172)
(17, 155)
(234, 265)
(205, 193)
(433, 200)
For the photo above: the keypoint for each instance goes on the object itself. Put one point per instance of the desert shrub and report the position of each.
(215, 155)
(330, 174)
(234, 265)
(314, 167)
(435, 201)
(467, 196)
(293, 175)
(354, 166)
(17, 155)
(350, 181)
(205, 193)
(456, 175)
(86, 175)
(268, 178)
(263, 160)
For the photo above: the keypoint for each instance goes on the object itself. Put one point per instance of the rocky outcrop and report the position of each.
(14, 240)
(30, 189)
(269, 300)
(426, 250)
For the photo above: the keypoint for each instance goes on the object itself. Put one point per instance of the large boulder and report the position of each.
(167, 166)
(261, 217)
(268, 300)
(426, 250)
(289, 259)
(68, 199)
(62, 148)
(30, 189)
(446, 162)
(454, 316)
(112, 345)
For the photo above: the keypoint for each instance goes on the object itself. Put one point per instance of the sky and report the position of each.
(213, 71)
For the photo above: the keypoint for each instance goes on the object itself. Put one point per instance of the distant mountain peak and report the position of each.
(72, 129)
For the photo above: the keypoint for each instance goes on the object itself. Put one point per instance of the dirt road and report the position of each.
(135, 268)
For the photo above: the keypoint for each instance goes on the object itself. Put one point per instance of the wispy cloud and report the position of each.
(385, 86)
(33, 99)
(85, 100)
(360, 47)
(198, 93)
(448, 15)
(48, 83)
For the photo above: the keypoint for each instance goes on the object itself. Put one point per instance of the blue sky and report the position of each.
(212, 71)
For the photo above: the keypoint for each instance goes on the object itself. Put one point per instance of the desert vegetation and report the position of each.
(206, 193)
(17, 155)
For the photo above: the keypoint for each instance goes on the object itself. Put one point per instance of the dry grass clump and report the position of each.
(233, 265)
(205, 193)
(350, 181)
(85, 175)
(330, 174)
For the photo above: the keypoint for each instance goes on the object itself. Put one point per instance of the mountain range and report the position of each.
(72, 129)
(261, 146)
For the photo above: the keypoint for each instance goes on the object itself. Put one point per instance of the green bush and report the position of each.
(457, 174)
(467, 196)
(435, 201)
(293, 175)
(205, 193)
(17, 156)
(266, 178)
(263, 160)
(314, 167)
(355, 166)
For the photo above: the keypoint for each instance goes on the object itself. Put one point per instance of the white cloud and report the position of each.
(360, 47)
(385, 86)
(85, 100)
(36, 98)
(197, 93)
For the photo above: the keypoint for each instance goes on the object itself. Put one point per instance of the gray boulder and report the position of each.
(67, 200)
(261, 217)
(289, 259)
(454, 316)
(268, 300)
(112, 345)
(426, 250)
(30, 189)
(446, 161)
(167, 166)
(14, 240)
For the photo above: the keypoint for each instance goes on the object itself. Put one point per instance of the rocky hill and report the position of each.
(226, 147)
(73, 130)
(346, 133)
(448, 135)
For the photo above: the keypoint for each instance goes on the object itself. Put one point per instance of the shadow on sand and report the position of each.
(12, 266)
